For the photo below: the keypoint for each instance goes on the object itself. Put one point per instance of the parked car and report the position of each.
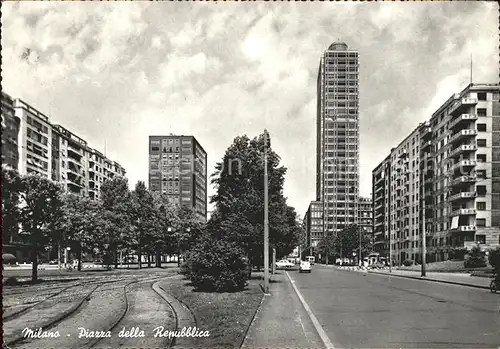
(284, 264)
(305, 266)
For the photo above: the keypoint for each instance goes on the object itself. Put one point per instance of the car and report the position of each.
(305, 266)
(284, 264)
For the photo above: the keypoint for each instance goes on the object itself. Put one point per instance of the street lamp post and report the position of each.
(266, 216)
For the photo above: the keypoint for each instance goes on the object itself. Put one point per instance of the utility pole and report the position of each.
(266, 216)
(359, 257)
(388, 177)
(59, 255)
(424, 238)
(274, 260)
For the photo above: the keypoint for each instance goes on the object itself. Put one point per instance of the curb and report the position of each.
(242, 346)
(432, 280)
(183, 315)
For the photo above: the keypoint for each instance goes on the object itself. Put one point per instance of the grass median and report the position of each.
(227, 316)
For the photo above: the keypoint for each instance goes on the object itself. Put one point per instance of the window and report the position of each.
(481, 96)
(481, 142)
(481, 157)
(481, 127)
(481, 174)
(481, 111)
(481, 206)
(481, 190)
(481, 239)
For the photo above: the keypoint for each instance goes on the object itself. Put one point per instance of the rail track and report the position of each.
(172, 303)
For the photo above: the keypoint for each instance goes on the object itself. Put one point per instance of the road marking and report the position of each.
(326, 341)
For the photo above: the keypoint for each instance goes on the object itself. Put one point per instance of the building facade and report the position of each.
(381, 202)
(178, 169)
(10, 133)
(462, 201)
(313, 223)
(365, 217)
(56, 153)
(337, 172)
(444, 180)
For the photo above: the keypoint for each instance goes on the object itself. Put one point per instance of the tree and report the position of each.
(143, 215)
(81, 224)
(11, 194)
(117, 216)
(165, 216)
(239, 200)
(41, 207)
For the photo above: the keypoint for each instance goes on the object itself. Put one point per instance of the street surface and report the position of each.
(361, 310)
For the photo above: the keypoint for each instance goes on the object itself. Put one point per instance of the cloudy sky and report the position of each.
(121, 71)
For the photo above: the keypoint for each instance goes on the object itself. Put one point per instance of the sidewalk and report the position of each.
(281, 321)
(462, 279)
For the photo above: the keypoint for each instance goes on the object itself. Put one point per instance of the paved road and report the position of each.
(359, 310)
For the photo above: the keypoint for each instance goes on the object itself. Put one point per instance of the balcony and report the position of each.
(75, 150)
(463, 149)
(462, 104)
(463, 134)
(426, 131)
(426, 146)
(463, 212)
(464, 164)
(74, 161)
(464, 228)
(462, 118)
(74, 183)
(463, 196)
(75, 172)
(463, 180)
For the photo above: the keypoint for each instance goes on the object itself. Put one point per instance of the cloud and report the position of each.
(122, 71)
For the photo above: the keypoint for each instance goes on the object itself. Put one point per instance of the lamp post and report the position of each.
(267, 143)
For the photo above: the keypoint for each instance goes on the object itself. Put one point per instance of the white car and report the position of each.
(284, 264)
(305, 266)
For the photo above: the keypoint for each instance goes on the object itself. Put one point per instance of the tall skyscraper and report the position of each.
(178, 169)
(337, 176)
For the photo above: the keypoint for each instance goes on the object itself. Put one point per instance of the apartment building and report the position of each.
(462, 208)
(404, 197)
(337, 172)
(81, 169)
(313, 223)
(178, 169)
(365, 216)
(10, 133)
(55, 152)
(381, 202)
(444, 179)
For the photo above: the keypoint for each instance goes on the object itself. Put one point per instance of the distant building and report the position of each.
(178, 169)
(56, 153)
(365, 217)
(313, 222)
(10, 133)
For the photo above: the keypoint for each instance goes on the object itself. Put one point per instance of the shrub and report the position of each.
(216, 265)
(11, 281)
(457, 253)
(494, 258)
(407, 262)
(475, 262)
